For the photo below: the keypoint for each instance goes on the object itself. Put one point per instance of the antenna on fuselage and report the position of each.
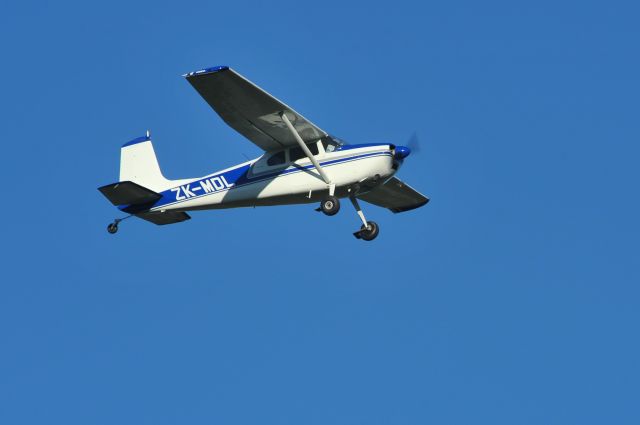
(148, 134)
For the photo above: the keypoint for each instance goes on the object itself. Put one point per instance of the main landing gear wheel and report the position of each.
(330, 205)
(112, 228)
(368, 232)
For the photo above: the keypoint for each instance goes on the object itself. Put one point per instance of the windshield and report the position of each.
(331, 143)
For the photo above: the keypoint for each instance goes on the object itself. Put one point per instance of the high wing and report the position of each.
(249, 110)
(396, 196)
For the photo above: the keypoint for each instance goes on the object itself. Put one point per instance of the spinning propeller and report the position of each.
(414, 143)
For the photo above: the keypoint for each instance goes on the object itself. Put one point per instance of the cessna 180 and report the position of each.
(301, 164)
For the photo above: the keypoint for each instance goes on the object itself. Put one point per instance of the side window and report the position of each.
(276, 159)
(329, 144)
(313, 147)
(296, 153)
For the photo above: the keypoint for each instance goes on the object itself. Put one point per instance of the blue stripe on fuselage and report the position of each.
(237, 177)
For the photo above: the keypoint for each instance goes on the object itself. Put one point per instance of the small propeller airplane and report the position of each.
(301, 164)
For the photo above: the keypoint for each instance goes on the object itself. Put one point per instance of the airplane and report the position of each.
(301, 164)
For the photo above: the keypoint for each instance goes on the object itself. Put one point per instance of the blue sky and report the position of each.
(511, 298)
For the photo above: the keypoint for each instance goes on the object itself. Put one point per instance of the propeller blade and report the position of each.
(414, 143)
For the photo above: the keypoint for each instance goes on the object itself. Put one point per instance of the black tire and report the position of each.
(330, 205)
(112, 228)
(371, 232)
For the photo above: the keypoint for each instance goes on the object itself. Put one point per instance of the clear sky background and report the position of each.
(512, 298)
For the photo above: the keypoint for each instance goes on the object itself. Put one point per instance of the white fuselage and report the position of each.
(256, 183)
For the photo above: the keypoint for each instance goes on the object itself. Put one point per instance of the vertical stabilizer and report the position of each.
(138, 163)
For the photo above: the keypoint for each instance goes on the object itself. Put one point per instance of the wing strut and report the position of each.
(305, 149)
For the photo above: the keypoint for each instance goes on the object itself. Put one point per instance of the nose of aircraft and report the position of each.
(401, 152)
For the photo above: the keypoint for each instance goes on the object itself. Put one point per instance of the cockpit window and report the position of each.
(297, 153)
(276, 159)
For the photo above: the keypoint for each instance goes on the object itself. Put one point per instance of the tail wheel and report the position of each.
(112, 228)
(330, 205)
(369, 232)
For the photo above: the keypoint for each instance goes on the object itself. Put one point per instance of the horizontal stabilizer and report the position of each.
(167, 217)
(395, 195)
(128, 193)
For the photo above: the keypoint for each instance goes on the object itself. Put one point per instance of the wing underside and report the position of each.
(395, 195)
(249, 110)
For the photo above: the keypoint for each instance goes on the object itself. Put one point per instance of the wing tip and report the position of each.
(209, 70)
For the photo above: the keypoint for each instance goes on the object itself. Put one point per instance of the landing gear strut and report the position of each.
(369, 229)
(329, 205)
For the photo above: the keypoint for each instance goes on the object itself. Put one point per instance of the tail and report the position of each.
(140, 183)
(138, 163)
